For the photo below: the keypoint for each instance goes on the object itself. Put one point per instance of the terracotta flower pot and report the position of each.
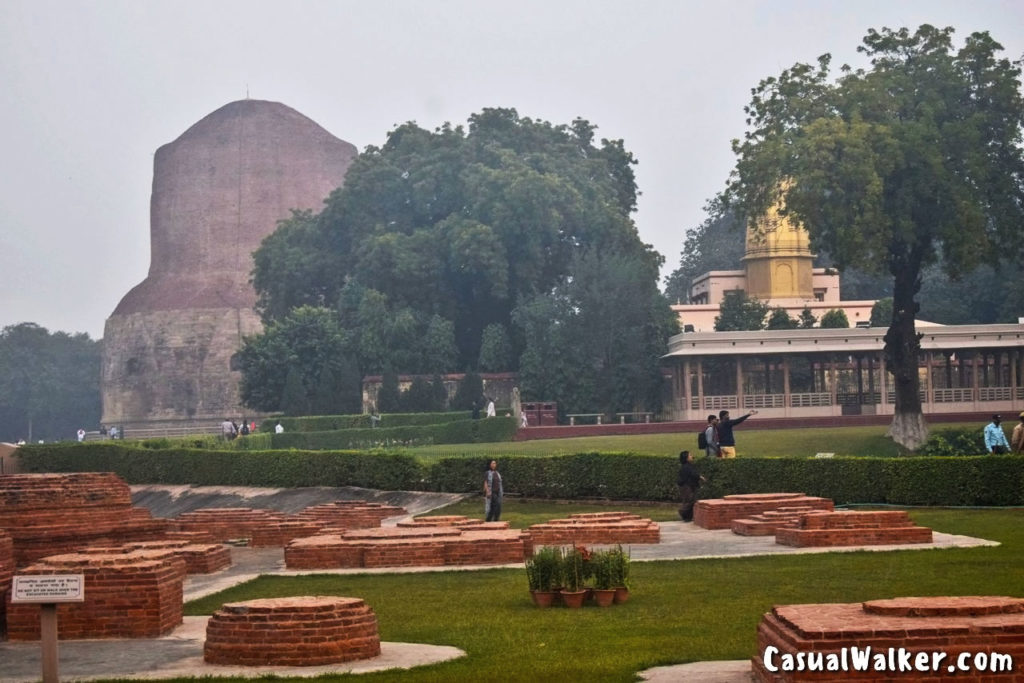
(604, 597)
(573, 599)
(543, 598)
(621, 595)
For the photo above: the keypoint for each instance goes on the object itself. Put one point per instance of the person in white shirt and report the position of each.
(490, 408)
(278, 429)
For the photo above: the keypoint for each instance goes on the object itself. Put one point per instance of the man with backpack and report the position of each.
(708, 439)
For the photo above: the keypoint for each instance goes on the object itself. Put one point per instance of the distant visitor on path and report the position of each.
(995, 438)
(711, 447)
(493, 491)
(227, 430)
(726, 440)
(81, 435)
(523, 422)
(490, 408)
(278, 429)
(1017, 438)
(476, 410)
(689, 480)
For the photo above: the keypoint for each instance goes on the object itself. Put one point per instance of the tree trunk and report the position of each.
(902, 348)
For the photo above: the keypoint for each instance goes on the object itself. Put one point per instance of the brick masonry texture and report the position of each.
(887, 527)
(200, 558)
(127, 595)
(602, 528)
(48, 514)
(766, 523)
(300, 631)
(420, 546)
(718, 513)
(945, 624)
(218, 190)
(224, 524)
(6, 574)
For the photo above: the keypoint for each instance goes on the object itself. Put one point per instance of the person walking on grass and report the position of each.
(493, 491)
(689, 480)
(726, 440)
(711, 438)
(995, 438)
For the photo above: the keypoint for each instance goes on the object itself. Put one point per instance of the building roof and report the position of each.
(817, 340)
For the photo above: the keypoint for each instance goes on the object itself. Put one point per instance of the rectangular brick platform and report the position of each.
(200, 558)
(408, 547)
(224, 524)
(601, 528)
(767, 523)
(127, 595)
(718, 513)
(949, 625)
(48, 514)
(351, 514)
(885, 527)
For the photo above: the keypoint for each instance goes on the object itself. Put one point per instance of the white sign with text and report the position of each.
(42, 589)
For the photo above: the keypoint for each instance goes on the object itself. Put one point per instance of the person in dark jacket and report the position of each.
(726, 440)
(689, 481)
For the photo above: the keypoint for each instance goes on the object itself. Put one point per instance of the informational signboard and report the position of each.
(48, 588)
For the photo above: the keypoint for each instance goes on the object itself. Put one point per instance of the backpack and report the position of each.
(702, 439)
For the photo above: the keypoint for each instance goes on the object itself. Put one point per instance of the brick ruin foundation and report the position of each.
(301, 631)
(49, 514)
(447, 520)
(6, 574)
(884, 527)
(719, 513)
(596, 528)
(767, 523)
(200, 558)
(417, 546)
(227, 524)
(932, 625)
(334, 517)
(137, 594)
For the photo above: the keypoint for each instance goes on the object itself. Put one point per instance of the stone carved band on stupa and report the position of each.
(218, 190)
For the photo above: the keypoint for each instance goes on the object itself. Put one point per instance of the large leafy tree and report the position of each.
(741, 312)
(49, 383)
(461, 224)
(892, 167)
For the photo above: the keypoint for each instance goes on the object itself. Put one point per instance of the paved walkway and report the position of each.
(180, 653)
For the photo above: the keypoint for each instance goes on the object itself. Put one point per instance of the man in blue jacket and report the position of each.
(995, 438)
(726, 440)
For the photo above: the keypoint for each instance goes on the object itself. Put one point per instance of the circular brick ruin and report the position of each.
(300, 631)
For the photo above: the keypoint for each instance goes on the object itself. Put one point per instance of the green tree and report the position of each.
(716, 244)
(389, 398)
(891, 167)
(49, 383)
(495, 349)
(779, 319)
(302, 345)
(419, 397)
(740, 312)
(835, 319)
(439, 346)
(807, 319)
(881, 312)
(470, 389)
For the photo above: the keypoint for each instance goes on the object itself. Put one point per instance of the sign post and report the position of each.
(47, 590)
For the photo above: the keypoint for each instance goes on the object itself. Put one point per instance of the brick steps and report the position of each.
(602, 528)
(884, 527)
(137, 594)
(199, 558)
(949, 625)
(767, 523)
(301, 631)
(719, 513)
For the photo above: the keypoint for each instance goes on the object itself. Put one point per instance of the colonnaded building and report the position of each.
(824, 372)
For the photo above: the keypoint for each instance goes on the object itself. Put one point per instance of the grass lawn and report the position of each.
(861, 441)
(680, 611)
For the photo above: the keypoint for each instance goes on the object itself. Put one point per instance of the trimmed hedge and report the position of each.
(327, 423)
(987, 480)
(463, 431)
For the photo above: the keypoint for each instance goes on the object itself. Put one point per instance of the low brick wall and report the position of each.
(718, 513)
(49, 514)
(420, 546)
(949, 625)
(601, 528)
(127, 595)
(6, 574)
(885, 527)
(279, 534)
(302, 631)
(767, 523)
(224, 524)
(200, 558)
(351, 514)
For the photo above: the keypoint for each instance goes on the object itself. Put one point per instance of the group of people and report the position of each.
(995, 437)
(719, 441)
(229, 429)
(490, 410)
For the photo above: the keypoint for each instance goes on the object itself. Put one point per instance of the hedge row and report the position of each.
(327, 423)
(985, 480)
(463, 431)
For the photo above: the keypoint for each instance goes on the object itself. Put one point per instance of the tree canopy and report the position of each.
(892, 167)
(437, 237)
(49, 383)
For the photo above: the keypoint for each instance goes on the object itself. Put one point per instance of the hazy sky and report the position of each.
(89, 90)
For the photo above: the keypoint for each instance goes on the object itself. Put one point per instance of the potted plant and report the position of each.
(543, 572)
(603, 564)
(572, 579)
(618, 561)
